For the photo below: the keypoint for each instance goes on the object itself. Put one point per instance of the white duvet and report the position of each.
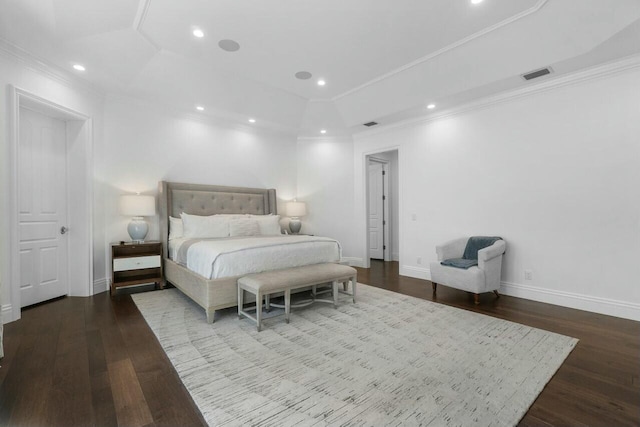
(236, 256)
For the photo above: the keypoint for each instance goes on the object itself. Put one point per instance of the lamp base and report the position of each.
(138, 229)
(295, 225)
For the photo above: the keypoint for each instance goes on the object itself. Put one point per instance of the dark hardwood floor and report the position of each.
(94, 361)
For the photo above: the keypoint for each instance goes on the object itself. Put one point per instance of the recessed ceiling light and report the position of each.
(198, 33)
(321, 82)
(476, 1)
(252, 120)
(199, 108)
(78, 67)
(323, 131)
(431, 106)
(303, 75)
(229, 45)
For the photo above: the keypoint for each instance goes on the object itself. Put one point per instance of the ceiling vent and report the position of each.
(537, 73)
(370, 124)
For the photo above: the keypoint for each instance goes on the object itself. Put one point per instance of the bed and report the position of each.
(215, 288)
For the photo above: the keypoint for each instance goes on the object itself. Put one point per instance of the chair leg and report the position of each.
(435, 286)
(497, 294)
(335, 293)
(476, 299)
(345, 285)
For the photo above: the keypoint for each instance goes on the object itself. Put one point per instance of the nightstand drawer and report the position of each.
(136, 263)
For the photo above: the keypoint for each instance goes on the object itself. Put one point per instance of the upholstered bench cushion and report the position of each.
(277, 280)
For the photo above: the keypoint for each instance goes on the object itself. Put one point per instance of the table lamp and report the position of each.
(137, 207)
(295, 210)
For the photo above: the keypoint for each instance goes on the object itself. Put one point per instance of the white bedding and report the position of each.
(236, 256)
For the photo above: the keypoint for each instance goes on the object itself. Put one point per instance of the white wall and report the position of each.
(325, 182)
(145, 144)
(68, 92)
(555, 173)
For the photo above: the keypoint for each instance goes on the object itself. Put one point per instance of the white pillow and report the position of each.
(203, 227)
(176, 229)
(269, 224)
(244, 227)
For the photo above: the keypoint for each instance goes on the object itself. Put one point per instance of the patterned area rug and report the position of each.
(388, 360)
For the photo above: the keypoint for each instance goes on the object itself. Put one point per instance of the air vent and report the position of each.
(370, 124)
(538, 73)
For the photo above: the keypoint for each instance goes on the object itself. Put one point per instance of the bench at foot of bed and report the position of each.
(270, 282)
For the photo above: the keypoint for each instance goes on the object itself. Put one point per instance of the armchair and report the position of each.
(485, 277)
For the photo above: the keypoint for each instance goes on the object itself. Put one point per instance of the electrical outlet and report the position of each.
(419, 260)
(528, 275)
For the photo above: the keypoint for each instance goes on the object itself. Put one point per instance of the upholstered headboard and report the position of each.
(197, 199)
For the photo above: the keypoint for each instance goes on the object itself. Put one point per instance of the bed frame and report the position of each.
(196, 199)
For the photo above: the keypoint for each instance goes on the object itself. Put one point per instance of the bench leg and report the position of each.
(287, 304)
(335, 293)
(267, 303)
(345, 285)
(240, 301)
(313, 291)
(210, 315)
(259, 311)
(354, 280)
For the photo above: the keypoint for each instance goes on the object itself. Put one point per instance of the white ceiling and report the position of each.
(383, 60)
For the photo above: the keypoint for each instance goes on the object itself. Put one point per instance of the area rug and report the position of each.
(388, 360)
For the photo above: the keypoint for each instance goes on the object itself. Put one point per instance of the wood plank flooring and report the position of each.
(94, 361)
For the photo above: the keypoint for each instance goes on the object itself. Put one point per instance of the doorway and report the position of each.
(51, 198)
(382, 205)
(378, 208)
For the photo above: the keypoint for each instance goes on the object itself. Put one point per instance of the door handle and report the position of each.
(63, 230)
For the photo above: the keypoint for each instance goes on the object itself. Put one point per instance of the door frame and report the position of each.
(80, 278)
(386, 168)
(364, 220)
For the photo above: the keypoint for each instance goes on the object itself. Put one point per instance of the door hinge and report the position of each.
(384, 247)
(384, 197)
(384, 222)
(384, 173)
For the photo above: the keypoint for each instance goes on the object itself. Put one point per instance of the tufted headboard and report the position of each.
(197, 199)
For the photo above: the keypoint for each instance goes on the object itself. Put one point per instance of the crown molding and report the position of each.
(45, 68)
(592, 73)
(535, 8)
(138, 22)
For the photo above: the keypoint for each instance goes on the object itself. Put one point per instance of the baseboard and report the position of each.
(415, 272)
(7, 313)
(610, 307)
(353, 261)
(395, 256)
(100, 286)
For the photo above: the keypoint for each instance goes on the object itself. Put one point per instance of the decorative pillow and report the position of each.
(203, 227)
(176, 229)
(244, 227)
(269, 224)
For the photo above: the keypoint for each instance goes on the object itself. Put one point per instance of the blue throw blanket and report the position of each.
(470, 257)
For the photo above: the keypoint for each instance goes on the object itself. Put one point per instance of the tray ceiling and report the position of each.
(380, 61)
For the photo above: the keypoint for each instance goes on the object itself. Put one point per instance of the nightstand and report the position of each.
(136, 264)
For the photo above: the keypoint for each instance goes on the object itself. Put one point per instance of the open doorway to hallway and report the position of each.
(383, 206)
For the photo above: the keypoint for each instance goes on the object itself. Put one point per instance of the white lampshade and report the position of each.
(136, 205)
(296, 209)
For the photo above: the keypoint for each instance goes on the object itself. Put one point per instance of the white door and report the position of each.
(376, 211)
(42, 202)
